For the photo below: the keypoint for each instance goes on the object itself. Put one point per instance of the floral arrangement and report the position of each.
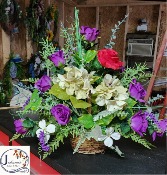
(13, 69)
(38, 22)
(10, 15)
(88, 94)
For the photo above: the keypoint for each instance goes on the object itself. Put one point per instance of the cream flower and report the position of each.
(111, 81)
(76, 82)
(114, 105)
(111, 93)
(46, 129)
(108, 138)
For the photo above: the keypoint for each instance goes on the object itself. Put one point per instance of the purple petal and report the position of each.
(57, 58)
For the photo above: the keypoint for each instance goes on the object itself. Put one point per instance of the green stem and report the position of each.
(77, 33)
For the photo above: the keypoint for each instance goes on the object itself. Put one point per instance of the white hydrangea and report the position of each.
(76, 82)
(111, 93)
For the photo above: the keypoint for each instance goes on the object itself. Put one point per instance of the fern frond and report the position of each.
(15, 136)
(31, 80)
(102, 114)
(142, 141)
(80, 141)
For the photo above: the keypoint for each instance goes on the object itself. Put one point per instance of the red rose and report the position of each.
(109, 58)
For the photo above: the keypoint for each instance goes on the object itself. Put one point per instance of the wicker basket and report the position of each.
(88, 147)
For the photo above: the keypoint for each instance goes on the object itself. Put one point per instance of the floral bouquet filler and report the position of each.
(87, 96)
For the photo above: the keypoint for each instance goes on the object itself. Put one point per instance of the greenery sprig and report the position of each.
(113, 32)
(138, 72)
(69, 46)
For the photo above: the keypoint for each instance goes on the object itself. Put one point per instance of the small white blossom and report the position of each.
(46, 129)
(108, 138)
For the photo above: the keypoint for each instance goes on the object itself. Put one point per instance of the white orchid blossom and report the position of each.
(110, 135)
(46, 129)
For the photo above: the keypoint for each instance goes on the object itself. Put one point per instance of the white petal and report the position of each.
(96, 132)
(109, 131)
(120, 103)
(42, 124)
(122, 97)
(102, 137)
(100, 100)
(47, 137)
(38, 132)
(108, 142)
(116, 135)
(51, 128)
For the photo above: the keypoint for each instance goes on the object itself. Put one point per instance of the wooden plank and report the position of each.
(97, 23)
(29, 47)
(5, 47)
(88, 2)
(157, 36)
(163, 23)
(148, 12)
(126, 31)
(61, 20)
(109, 16)
(18, 40)
(158, 62)
(97, 17)
(87, 17)
(163, 110)
(68, 15)
(121, 4)
(70, 2)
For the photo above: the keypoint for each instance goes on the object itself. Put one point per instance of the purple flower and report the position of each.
(57, 58)
(89, 33)
(139, 123)
(26, 103)
(61, 113)
(122, 69)
(137, 91)
(44, 146)
(162, 126)
(43, 84)
(19, 126)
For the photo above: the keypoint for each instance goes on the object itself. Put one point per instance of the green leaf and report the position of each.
(122, 117)
(95, 78)
(75, 119)
(96, 64)
(58, 92)
(150, 129)
(90, 55)
(86, 120)
(35, 94)
(105, 120)
(77, 59)
(36, 104)
(125, 128)
(28, 123)
(35, 101)
(130, 102)
(33, 131)
(79, 103)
